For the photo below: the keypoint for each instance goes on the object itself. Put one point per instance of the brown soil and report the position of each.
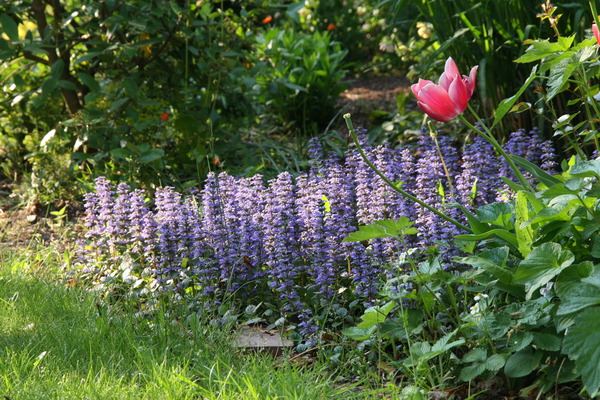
(368, 94)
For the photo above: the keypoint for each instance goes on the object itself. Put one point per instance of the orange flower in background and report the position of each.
(164, 116)
(216, 160)
(330, 27)
(267, 20)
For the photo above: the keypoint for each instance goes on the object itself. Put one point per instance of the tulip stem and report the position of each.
(396, 187)
(487, 135)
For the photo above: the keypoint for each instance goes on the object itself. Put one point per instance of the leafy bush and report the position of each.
(137, 89)
(300, 77)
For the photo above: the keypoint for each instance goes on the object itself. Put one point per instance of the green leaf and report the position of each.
(89, 81)
(508, 237)
(87, 57)
(57, 68)
(375, 315)
(586, 169)
(494, 363)
(523, 231)
(152, 155)
(117, 103)
(358, 333)
(444, 344)
(536, 171)
(538, 50)
(10, 27)
(49, 86)
(559, 76)
(498, 213)
(582, 343)
(507, 104)
(546, 341)
(382, 229)
(63, 84)
(522, 363)
(578, 297)
(471, 372)
(478, 354)
(493, 261)
(541, 265)
(476, 225)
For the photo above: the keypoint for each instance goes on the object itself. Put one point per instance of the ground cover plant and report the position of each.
(455, 265)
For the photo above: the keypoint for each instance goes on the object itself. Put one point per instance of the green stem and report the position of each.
(433, 135)
(487, 135)
(594, 12)
(395, 187)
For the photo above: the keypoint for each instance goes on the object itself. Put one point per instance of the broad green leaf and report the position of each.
(546, 341)
(382, 229)
(538, 50)
(358, 333)
(586, 169)
(507, 104)
(541, 265)
(57, 69)
(596, 247)
(582, 343)
(498, 213)
(522, 363)
(366, 232)
(472, 371)
(578, 297)
(523, 231)
(444, 344)
(89, 81)
(152, 155)
(478, 354)
(520, 340)
(559, 76)
(536, 171)
(49, 86)
(64, 84)
(493, 261)
(375, 315)
(494, 363)
(9, 26)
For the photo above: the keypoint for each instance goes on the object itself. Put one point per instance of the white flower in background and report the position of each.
(480, 296)
(545, 291)
(475, 309)
(424, 30)
(386, 47)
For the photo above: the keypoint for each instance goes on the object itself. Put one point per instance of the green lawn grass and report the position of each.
(58, 342)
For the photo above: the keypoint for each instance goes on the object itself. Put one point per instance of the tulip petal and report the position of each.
(418, 86)
(596, 33)
(450, 72)
(472, 79)
(436, 103)
(459, 94)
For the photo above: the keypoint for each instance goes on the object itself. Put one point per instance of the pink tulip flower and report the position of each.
(447, 99)
(596, 33)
